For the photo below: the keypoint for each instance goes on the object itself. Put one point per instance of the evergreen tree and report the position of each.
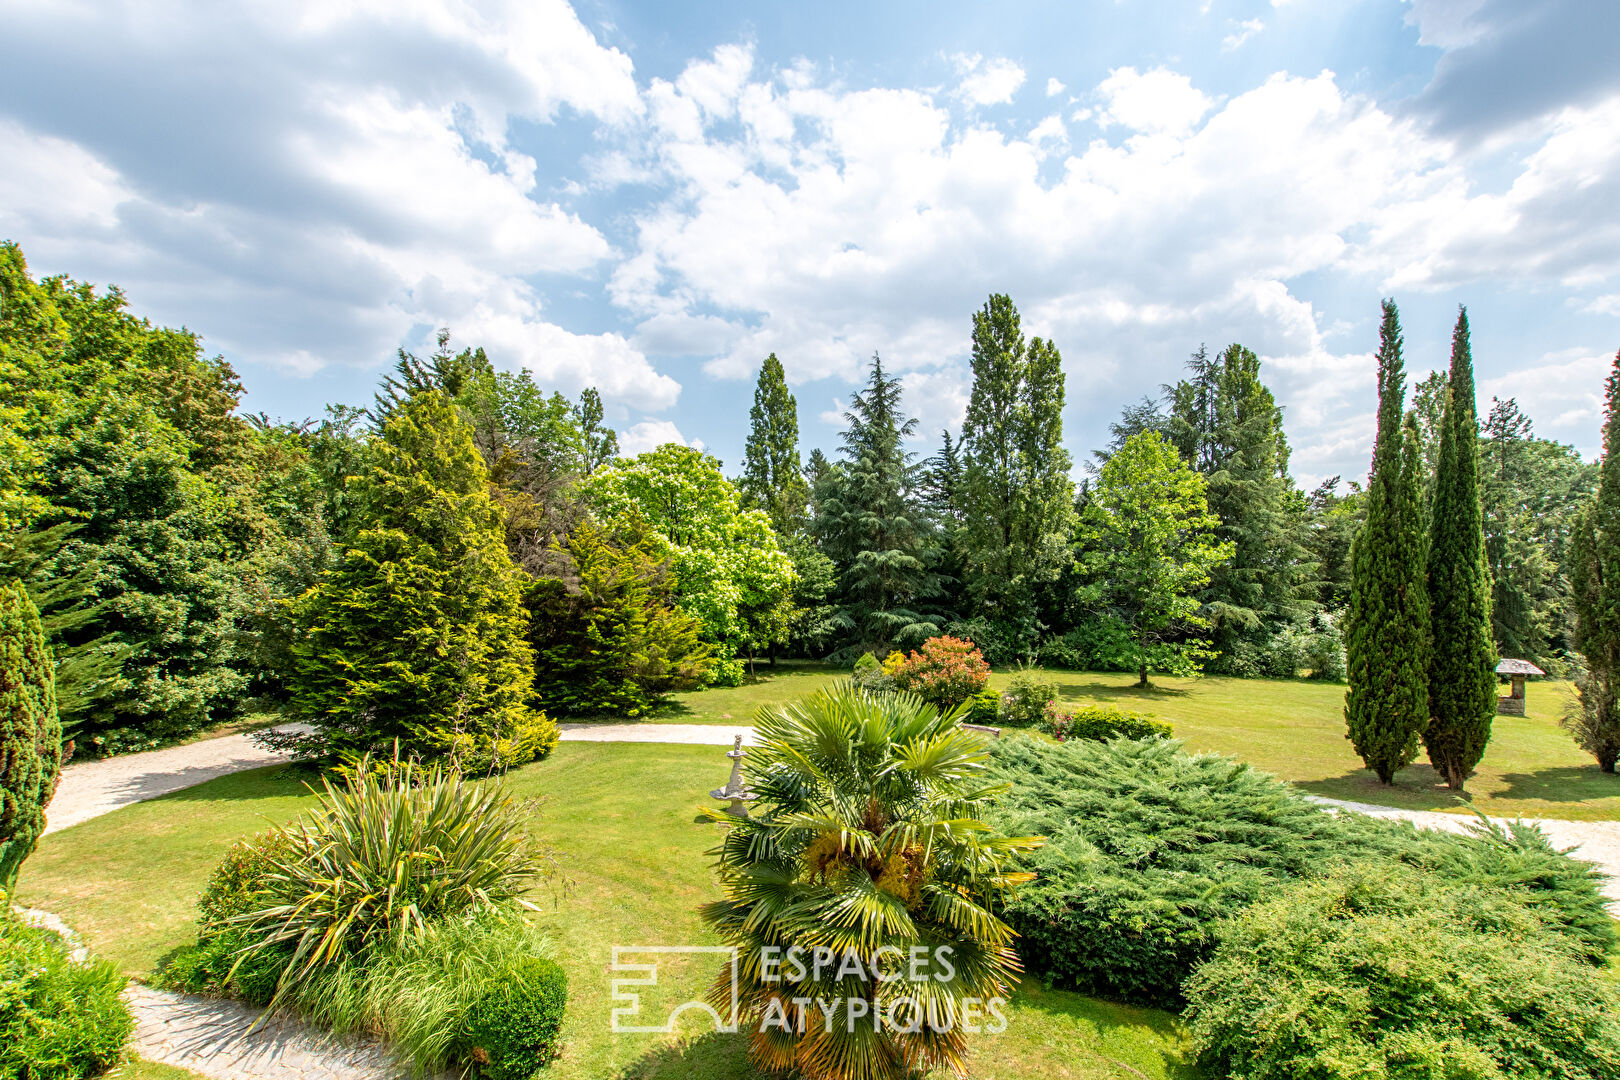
(771, 478)
(601, 442)
(419, 632)
(1016, 503)
(1387, 637)
(1595, 599)
(30, 736)
(872, 524)
(1462, 677)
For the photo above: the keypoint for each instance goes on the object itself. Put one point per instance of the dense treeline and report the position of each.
(471, 555)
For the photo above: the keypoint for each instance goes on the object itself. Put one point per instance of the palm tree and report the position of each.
(867, 850)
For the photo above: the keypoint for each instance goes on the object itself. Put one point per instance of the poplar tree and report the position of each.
(771, 479)
(1017, 500)
(1595, 600)
(30, 734)
(1462, 677)
(1387, 636)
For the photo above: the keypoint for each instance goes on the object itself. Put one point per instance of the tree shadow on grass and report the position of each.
(270, 782)
(711, 1056)
(1112, 688)
(1131, 1039)
(1416, 787)
(1563, 784)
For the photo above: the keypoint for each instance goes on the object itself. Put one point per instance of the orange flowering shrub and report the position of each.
(945, 672)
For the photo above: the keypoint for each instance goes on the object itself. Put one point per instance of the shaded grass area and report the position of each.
(1293, 728)
(139, 1069)
(623, 816)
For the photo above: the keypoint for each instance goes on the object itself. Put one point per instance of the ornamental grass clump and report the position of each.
(861, 894)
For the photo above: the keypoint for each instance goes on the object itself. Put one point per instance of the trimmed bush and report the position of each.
(30, 732)
(869, 675)
(1024, 702)
(511, 1030)
(1380, 971)
(58, 1019)
(945, 672)
(1101, 722)
(985, 708)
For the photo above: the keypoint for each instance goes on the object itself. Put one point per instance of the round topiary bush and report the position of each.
(512, 1029)
(1386, 971)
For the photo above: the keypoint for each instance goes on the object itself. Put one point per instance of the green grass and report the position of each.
(1293, 728)
(624, 817)
(139, 1069)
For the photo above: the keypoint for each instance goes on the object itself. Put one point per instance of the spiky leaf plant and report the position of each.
(867, 841)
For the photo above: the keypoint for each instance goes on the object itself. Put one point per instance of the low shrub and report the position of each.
(223, 963)
(945, 672)
(1100, 643)
(985, 708)
(1026, 699)
(869, 675)
(1592, 717)
(1380, 971)
(533, 737)
(1102, 722)
(57, 1018)
(511, 1030)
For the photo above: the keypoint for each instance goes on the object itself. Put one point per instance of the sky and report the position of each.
(650, 197)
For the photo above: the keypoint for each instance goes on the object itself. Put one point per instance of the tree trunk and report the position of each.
(1141, 674)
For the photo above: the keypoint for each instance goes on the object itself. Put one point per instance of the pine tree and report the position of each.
(1595, 599)
(771, 479)
(1017, 506)
(30, 736)
(418, 634)
(1462, 678)
(1387, 637)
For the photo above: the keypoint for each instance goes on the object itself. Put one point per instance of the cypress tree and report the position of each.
(30, 735)
(1594, 581)
(1387, 636)
(1462, 677)
(771, 479)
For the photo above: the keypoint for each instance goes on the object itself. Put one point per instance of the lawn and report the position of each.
(623, 816)
(1293, 728)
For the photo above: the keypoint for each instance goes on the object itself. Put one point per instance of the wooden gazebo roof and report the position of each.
(1518, 667)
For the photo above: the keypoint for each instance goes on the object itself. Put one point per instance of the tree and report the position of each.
(866, 843)
(608, 638)
(30, 736)
(1462, 675)
(1017, 514)
(1595, 599)
(771, 478)
(1387, 638)
(871, 523)
(1331, 523)
(419, 633)
(731, 574)
(1228, 426)
(601, 442)
(1148, 540)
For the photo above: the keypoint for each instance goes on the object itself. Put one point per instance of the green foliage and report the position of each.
(1148, 541)
(382, 857)
(607, 638)
(1462, 678)
(1024, 702)
(1148, 848)
(1001, 642)
(59, 1020)
(1387, 633)
(512, 1028)
(984, 708)
(419, 633)
(1015, 494)
(731, 575)
(865, 838)
(945, 672)
(1379, 972)
(868, 675)
(601, 442)
(870, 521)
(771, 479)
(224, 963)
(1228, 426)
(1595, 598)
(1102, 722)
(30, 734)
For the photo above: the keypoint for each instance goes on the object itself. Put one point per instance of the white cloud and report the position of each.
(1563, 391)
(1054, 87)
(1244, 31)
(1598, 305)
(650, 435)
(988, 82)
(1153, 102)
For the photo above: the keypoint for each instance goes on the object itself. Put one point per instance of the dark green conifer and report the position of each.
(1594, 587)
(1462, 678)
(772, 480)
(1387, 636)
(30, 736)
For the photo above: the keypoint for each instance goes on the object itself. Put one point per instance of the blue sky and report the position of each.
(650, 197)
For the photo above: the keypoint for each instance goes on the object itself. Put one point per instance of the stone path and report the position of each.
(691, 734)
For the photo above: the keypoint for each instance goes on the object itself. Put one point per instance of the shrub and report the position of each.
(1026, 698)
(30, 733)
(512, 1028)
(223, 963)
(1098, 644)
(999, 642)
(382, 856)
(57, 1018)
(945, 672)
(1324, 647)
(1388, 972)
(870, 676)
(1102, 722)
(985, 708)
(1592, 716)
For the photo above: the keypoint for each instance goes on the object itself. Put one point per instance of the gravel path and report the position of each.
(691, 734)
(91, 788)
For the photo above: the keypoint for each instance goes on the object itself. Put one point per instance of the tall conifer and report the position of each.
(1462, 678)
(30, 735)
(1594, 588)
(771, 479)
(1387, 639)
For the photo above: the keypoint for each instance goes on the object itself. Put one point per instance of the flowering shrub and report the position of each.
(1100, 722)
(945, 672)
(1026, 699)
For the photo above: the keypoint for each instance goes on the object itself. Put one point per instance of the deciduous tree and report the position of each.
(772, 480)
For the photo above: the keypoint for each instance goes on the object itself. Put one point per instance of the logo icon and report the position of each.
(648, 972)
